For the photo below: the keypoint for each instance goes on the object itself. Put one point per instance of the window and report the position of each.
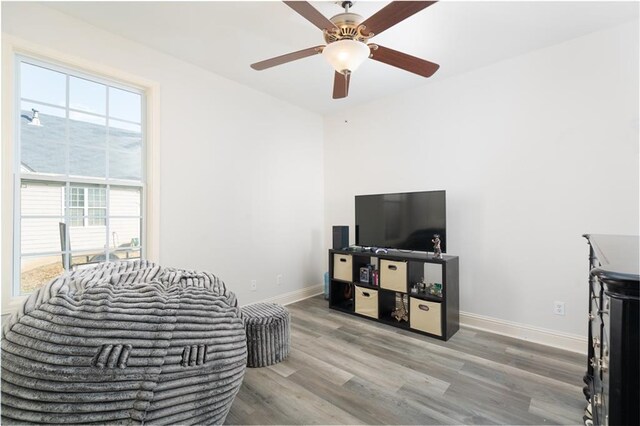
(79, 183)
(76, 206)
(87, 206)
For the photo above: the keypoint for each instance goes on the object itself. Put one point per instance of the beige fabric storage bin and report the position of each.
(367, 302)
(425, 316)
(393, 275)
(342, 267)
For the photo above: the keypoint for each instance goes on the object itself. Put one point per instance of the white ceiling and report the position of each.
(225, 37)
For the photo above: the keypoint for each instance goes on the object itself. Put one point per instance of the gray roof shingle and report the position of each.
(44, 149)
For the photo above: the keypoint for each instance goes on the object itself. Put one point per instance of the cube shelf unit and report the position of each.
(398, 271)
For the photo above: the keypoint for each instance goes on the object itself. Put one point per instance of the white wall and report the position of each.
(241, 175)
(533, 152)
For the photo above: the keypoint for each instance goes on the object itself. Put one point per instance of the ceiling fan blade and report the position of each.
(341, 85)
(283, 59)
(311, 14)
(403, 61)
(393, 13)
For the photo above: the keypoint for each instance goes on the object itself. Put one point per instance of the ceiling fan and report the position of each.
(347, 34)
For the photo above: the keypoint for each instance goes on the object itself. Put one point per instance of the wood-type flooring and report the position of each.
(348, 370)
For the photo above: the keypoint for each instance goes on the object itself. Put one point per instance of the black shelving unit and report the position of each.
(431, 315)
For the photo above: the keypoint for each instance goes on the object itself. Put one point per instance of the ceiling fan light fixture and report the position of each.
(346, 55)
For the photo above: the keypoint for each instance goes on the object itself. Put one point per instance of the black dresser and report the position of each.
(612, 385)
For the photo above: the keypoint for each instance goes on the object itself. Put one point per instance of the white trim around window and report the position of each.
(13, 47)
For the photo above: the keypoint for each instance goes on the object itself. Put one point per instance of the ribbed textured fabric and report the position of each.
(268, 333)
(125, 343)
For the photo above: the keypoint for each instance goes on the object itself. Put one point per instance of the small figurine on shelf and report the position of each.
(436, 289)
(437, 252)
(400, 312)
(364, 274)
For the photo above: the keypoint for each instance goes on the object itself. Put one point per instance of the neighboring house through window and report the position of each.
(79, 188)
(87, 206)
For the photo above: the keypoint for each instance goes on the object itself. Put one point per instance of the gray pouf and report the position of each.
(268, 333)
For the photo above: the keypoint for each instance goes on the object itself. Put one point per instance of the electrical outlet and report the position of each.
(279, 279)
(254, 285)
(558, 308)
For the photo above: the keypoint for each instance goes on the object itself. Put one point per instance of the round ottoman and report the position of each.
(268, 333)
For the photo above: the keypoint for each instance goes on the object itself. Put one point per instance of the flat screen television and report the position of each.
(401, 221)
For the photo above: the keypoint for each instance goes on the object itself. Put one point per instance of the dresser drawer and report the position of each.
(393, 275)
(367, 302)
(425, 316)
(342, 267)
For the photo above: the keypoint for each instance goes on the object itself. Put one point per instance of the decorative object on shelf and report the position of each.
(364, 274)
(400, 313)
(348, 291)
(437, 252)
(436, 289)
(376, 277)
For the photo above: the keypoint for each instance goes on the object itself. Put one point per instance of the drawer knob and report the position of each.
(423, 307)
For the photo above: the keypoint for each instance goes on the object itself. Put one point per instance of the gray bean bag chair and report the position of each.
(124, 343)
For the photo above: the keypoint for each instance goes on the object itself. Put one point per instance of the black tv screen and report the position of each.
(402, 221)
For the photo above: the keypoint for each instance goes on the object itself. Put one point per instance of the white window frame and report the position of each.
(10, 172)
(69, 181)
(86, 218)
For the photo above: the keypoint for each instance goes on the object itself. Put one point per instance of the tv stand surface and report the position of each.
(398, 271)
(415, 254)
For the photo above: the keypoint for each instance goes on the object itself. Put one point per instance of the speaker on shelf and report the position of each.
(340, 237)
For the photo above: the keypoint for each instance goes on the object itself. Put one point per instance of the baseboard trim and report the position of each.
(294, 296)
(543, 336)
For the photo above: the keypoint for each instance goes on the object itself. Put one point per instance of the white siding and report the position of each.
(43, 235)
(42, 199)
(87, 237)
(124, 201)
(123, 231)
(40, 235)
